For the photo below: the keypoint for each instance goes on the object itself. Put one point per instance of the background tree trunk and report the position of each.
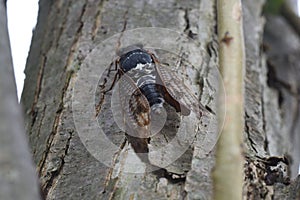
(17, 177)
(66, 33)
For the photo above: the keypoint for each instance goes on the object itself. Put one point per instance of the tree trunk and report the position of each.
(75, 41)
(17, 177)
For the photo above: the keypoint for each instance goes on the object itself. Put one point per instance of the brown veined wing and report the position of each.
(135, 108)
(177, 93)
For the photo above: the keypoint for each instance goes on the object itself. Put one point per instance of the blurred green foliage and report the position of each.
(273, 6)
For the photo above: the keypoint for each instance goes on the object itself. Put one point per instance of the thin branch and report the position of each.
(228, 172)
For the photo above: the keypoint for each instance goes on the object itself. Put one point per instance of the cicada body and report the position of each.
(155, 83)
(140, 67)
(146, 85)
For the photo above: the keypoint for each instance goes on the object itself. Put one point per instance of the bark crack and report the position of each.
(123, 30)
(55, 174)
(187, 28)
(77, 36)
(187, 21)
(104, 89)
(110, 172)
(264, 120)
(38, 88)
(41, 166)
(97, 22)
(41, 121)
(63, 25)
(248, 130)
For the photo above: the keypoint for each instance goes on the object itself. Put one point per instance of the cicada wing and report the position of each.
(177, 93)
(135, 108)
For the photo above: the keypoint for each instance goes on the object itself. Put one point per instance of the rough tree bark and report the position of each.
(283, 81)
(68, 31)
(17, 176)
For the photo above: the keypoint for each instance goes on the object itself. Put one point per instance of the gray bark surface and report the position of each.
(17, 176)
(283, 79)
(68, 31)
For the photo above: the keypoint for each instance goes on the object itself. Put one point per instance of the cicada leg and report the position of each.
(116, 77)
(104, 90)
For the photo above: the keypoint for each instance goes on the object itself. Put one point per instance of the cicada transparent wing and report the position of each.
(135, 108)
(177, 93)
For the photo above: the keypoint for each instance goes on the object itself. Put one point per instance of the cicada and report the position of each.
(145, 86)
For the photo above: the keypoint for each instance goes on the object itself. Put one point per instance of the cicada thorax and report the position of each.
(140, 67)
